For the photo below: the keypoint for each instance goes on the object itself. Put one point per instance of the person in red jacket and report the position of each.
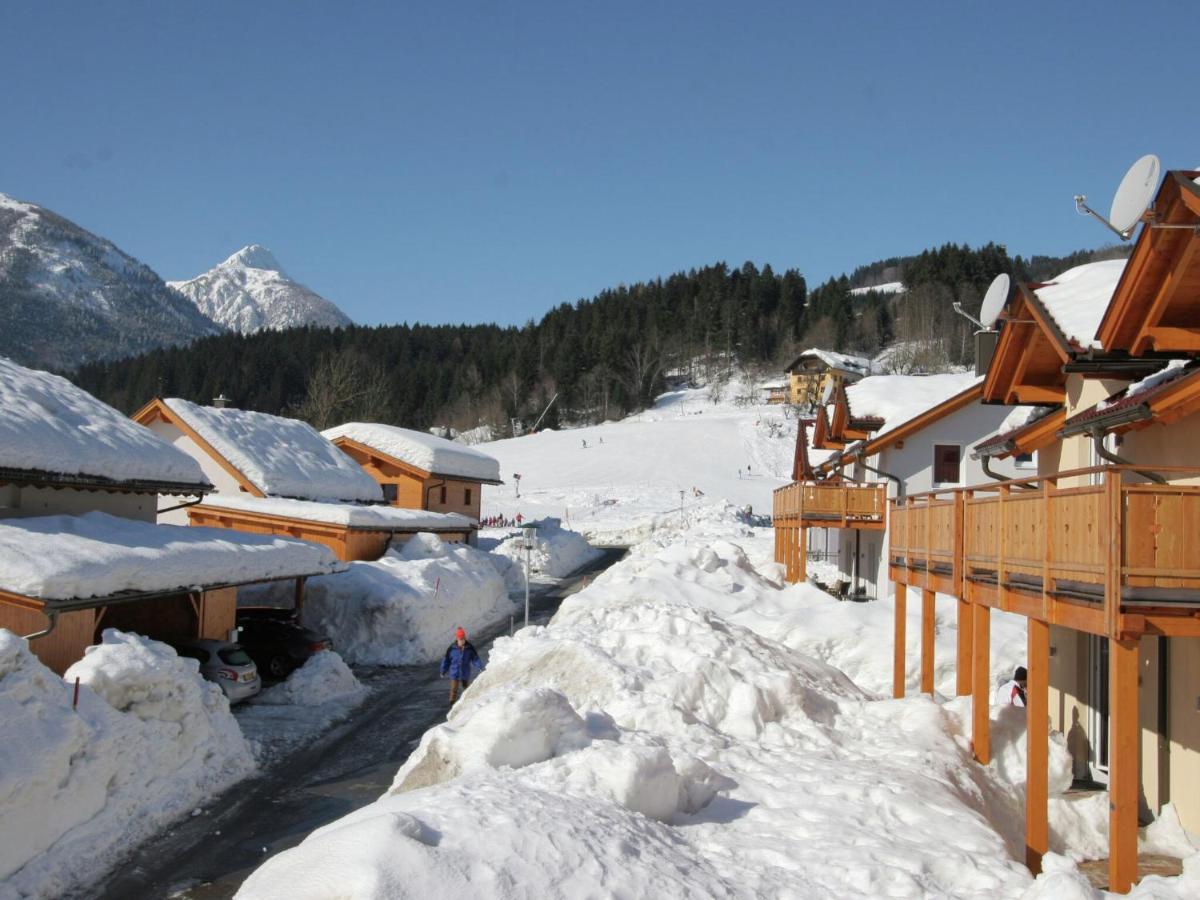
(1012, 693)
(458, 663)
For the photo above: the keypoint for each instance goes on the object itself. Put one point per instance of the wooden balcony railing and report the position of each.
(831, 505)
(1089, 548)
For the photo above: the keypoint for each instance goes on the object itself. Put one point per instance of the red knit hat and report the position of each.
(460, 633)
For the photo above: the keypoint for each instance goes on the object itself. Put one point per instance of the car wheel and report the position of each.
(279, 667)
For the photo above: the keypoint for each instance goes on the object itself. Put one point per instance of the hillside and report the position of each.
(69, 297)
(250, 291)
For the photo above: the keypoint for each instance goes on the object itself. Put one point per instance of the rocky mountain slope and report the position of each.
(68, 296)
(250, 291)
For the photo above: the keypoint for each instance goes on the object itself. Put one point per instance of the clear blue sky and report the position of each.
(486, 161)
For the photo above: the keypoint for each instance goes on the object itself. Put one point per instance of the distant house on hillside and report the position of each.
(816, 372)
(79, 550)
(417, 470)
(275, 475)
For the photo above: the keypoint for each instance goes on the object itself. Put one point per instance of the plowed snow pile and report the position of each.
(149, 741)
(656, 740)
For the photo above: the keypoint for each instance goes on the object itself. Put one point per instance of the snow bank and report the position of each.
(557, 552)
(48, 424)
(79, 788)
(645, 743)
(353, 515)
(282, 457)
(1062, 880)
(95, 554)
(323, 679)
(403, 608)
(425, 451)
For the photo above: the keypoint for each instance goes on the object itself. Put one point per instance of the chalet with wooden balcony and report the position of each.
(1097, 547)
(279, 476)
(814, 373)
(889, 434)
(79, 551)
(417, 470)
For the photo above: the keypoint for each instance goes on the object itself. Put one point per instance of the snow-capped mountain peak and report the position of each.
(250, 291)
(254, 256)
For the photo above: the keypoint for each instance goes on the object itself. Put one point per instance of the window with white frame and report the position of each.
(947, 463)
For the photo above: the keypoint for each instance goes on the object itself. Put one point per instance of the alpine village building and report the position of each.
(1096, 545)
(80, 487)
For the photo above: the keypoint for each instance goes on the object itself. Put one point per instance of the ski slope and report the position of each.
(631, 472)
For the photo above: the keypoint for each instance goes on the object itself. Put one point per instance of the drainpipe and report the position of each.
(184, 505)
(52, 615)
(1103, 452)
(888, 475)
(441, 482)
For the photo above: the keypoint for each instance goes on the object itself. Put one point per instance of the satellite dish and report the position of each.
(827, 395)
(994, 300)
(1134, 194)
(1132, 199)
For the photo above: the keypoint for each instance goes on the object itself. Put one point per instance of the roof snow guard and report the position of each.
(1164, 397)
(55, 434)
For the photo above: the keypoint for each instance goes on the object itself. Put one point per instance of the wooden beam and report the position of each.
(1168, 338)
(802, 555)
(1037, 753)
(962, 666)
(927, 622)
(1123, 773)
(981, 684)
(1029, 393)
(898, 645)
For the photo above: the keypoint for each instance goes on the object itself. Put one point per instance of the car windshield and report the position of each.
(234, 656)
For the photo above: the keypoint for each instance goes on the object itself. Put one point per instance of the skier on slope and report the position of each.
(458, 662)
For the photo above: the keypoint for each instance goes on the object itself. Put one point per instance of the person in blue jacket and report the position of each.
(458, 662)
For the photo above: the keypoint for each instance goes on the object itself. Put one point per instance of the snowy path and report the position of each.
(208, 856)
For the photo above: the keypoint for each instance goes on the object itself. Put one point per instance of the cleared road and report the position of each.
(210, 855)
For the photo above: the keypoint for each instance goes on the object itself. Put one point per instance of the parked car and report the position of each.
(227, 664)
(276, 640)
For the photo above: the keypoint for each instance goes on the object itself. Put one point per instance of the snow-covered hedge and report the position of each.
(79, 788)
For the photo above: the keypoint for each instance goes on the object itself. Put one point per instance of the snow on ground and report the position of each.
(655, 740)
(48, 424)
(421, 449)
(557, 552)
(693, 440)
(312, 698)
(403, 608)
(282, 457)
(149, 742)
(95, 555)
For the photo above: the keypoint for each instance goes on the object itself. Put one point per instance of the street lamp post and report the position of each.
(528, 536)
(517, 482)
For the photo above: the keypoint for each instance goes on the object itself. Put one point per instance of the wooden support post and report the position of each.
(802, 555)
(927, 622)
(1037, 752)
(298, 605)
(981, 683)
(1123, 771)
(898, 649)
(962, 665)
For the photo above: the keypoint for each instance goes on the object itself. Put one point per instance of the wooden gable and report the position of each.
(1156, 305)
(158, 411)
(1027, 366)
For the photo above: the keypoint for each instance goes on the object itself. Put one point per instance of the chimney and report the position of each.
(985, 349)
(220, 401)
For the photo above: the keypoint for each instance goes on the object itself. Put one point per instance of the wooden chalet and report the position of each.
(814, 372)
(79, 482)
(279, 476)
(418, 470)
(1097, 549)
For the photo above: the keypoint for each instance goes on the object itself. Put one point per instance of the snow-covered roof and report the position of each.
(49, 425)
(98, 555)
(281, 457)
(1077, 298)
(836, 360)
(898, 398)
(427, 452)
(351, 515)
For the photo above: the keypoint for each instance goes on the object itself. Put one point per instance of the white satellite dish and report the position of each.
(994, 300)
(1132, 199)
(827, 395)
